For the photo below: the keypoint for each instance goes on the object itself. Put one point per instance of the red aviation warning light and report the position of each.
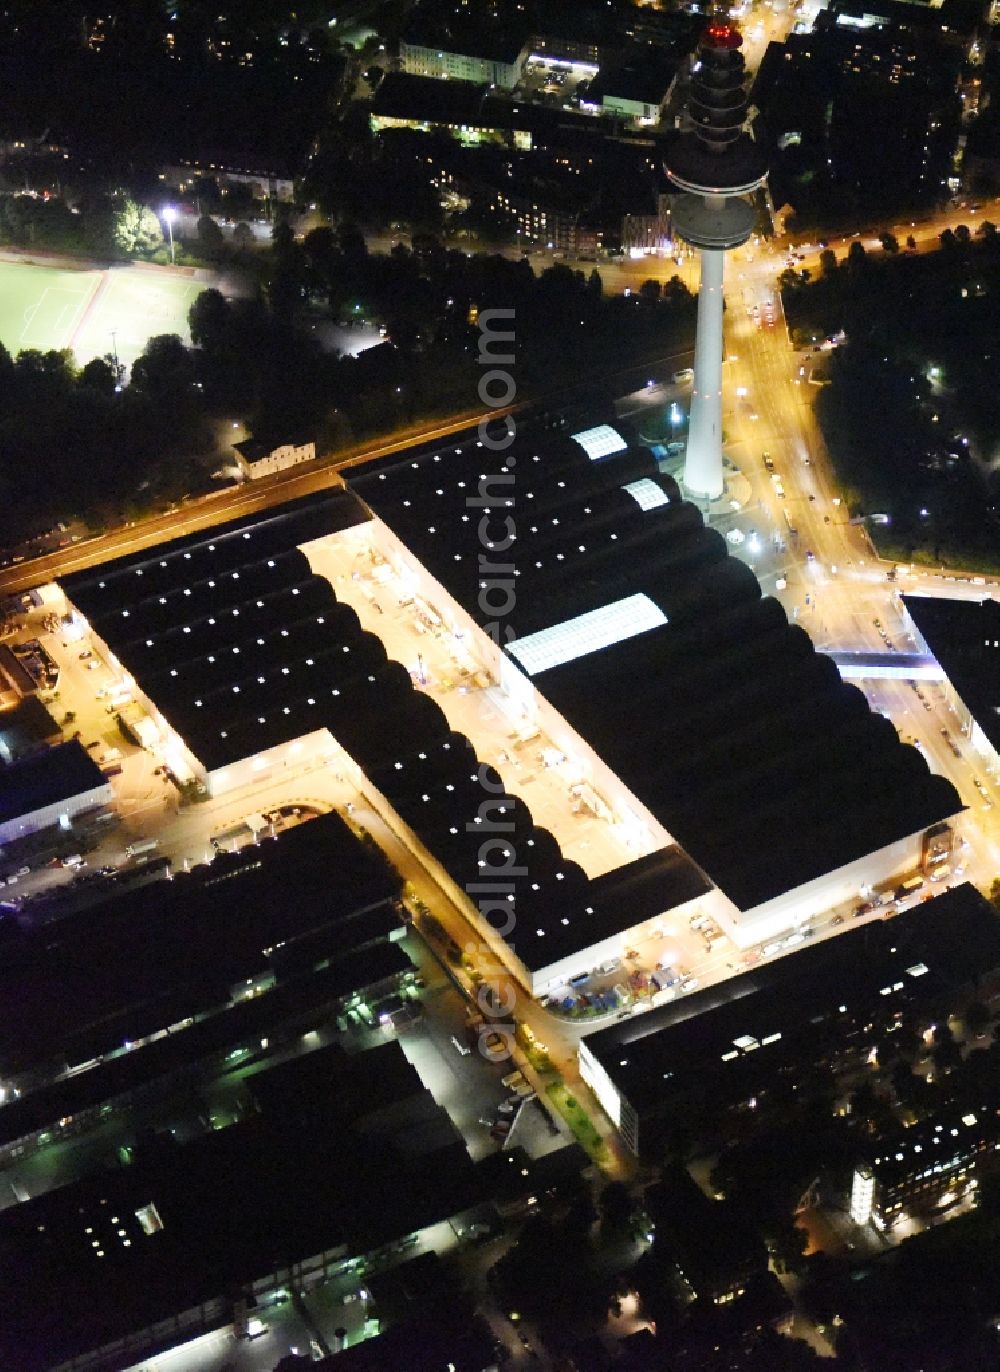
(723, 36)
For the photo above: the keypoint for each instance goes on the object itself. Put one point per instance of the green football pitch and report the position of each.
(90, 311)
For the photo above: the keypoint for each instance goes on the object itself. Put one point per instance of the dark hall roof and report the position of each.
(46, 778)
(675, 1052)
(403, 96)
(717, 714)
(221, 1211)
(83, 985)
(964, 636)
(230, 634)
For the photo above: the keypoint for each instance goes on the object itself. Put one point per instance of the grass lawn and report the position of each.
(55, 307)
(578, 1120)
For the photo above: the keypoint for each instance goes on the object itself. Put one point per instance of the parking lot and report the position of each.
(558, 84)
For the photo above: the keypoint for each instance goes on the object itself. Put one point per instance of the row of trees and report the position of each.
(107, 226)
(909, 415)
(72, 442)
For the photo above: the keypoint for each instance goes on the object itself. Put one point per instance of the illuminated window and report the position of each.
(149, 1219)
(587, 633)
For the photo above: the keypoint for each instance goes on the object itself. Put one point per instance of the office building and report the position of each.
(719, 1051)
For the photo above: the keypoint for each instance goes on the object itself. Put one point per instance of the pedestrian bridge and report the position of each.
(895, 666)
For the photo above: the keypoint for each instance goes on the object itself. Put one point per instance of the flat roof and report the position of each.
(46, 778)
(14, 670)
(401, 95)
(933, 1143)
(230, 634)
(964, 636)
(709, 1240)
(735, 724)
(292, 1000)
(469, 33)
(27, 726)
(81, 986)
(643, 73)
(119, 1251)
(725, 1042)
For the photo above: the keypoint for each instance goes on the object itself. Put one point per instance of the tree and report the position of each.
(616, 1208)
(164, 368)
(243, 236)
(977, 1016)
(963, 234)
(911, 243)
(594, 284)
(908, 1042)
(210, 237)
(320, 248)
(351, 242)
(889, 241)
(208, 319)
(995, 894)
(207, 195)
(945, 1052)
(787, 1243)
(136, 228)
(282, 236)
(948, 239)
(675, 292)
(649, 292)
(828, 262)
(98, 375)
(987, 230)
(856, 254)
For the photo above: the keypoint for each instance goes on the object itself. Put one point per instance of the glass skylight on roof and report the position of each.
(587, 633)
(601, 441)
(646, 494)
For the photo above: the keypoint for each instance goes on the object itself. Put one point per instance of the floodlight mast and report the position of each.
(716, 164)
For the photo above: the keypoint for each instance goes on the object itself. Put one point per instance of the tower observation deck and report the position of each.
(716, 164)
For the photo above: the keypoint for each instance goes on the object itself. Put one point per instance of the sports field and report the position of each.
(54, 307)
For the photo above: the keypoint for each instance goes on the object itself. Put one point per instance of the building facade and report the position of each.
(258, 459)
(503, 68)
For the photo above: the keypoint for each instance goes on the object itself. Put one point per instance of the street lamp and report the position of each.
(169, 215)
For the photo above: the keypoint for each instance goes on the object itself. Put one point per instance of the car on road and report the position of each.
(688, 984)
(768, 462)
(495, 1045)
(810, 555)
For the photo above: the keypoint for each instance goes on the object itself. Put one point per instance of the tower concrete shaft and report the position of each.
(703, 458)
(716, 165)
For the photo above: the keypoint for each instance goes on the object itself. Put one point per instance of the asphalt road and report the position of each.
(203, 512)
(839, 593)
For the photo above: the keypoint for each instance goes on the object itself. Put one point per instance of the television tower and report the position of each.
(716, 164)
